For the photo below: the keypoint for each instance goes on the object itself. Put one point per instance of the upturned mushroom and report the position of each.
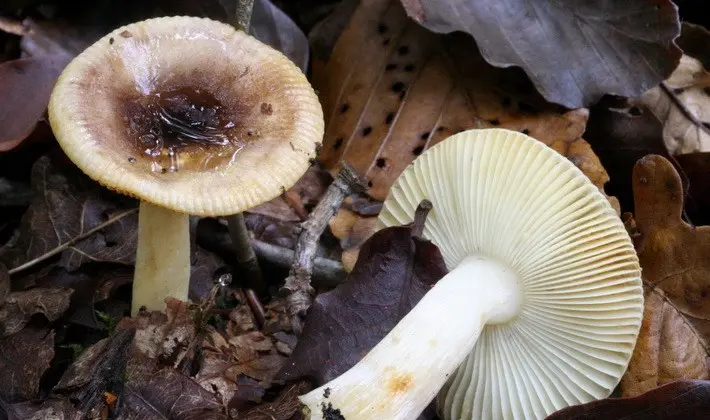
(192, 117)
(541, 308)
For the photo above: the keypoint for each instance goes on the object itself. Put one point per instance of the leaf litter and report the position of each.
(384, 80)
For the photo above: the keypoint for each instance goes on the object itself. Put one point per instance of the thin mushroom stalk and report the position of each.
(400, 376)
(542, 304)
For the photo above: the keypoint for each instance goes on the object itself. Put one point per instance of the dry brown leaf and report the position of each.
(674, 342)
(683, 105)
(391, 89)
(352, 230)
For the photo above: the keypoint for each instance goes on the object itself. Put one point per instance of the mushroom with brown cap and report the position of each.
(541, 308)
(192, 117)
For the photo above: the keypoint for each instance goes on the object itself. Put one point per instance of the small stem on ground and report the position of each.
(420, 215)
(256, 307)
(297, 288)
(246, 258)
(243, 15)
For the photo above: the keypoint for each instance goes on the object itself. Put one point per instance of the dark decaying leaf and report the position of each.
(25, 85)
(4, 283)
(19, 307)
(693, 41)
(696, 167)
(620, 135)
(74, 217)
(393, 272)
(283, 408)
(24, 357)
(676, 400)
(268, 23)
(168, 394)
(574, 51)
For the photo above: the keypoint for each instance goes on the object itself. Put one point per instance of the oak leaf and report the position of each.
(674, 341)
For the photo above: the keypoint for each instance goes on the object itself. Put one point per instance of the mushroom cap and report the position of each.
(508, 196)
(189, 114)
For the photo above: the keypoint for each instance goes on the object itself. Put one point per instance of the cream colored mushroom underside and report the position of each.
(505, 195)
(151, 54)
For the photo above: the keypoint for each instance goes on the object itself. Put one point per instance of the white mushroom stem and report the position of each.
(401, 375)
(162, 257)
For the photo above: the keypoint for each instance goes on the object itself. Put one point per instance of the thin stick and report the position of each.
(243, 15)
(297, 288)
(326, 272)
(246, 258)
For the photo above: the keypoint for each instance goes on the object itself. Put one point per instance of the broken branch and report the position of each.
(297, 287)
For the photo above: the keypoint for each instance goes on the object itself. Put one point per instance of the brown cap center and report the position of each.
(185, 128)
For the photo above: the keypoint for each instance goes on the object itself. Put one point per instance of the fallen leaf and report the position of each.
(273, 27)
(25, 85)
(24, 357)
(19, 307)
(621, 134)
(268, 23)
(682, 103)
(392, 89)
(283, 408)
(52, 409)
(677, 400)
(674, 341)
(392, 274)
(161, 337)
(693, 41)
(75, 218)
(4, 282)
(352, 230)
(309, 188)
(575, 51)
(100, 369)
(695, 167)
(168, 394)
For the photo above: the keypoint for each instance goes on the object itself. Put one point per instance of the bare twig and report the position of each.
(326, 272)
(297, 288)
(256, 307)
(420, 215)
(246, 258)
(243, 15)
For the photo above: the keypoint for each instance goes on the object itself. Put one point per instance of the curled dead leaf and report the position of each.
(392, 89)
(575, 51)
(674, 342)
